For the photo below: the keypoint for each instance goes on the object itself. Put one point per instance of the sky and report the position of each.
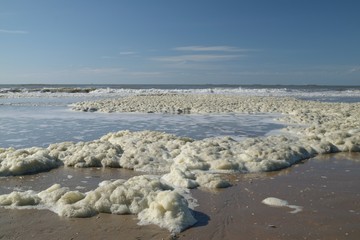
(180, 42)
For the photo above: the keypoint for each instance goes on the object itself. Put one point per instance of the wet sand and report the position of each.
(326, 187)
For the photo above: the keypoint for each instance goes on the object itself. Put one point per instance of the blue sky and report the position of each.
(180, 42)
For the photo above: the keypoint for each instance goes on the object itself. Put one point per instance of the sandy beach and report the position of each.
(326, 187)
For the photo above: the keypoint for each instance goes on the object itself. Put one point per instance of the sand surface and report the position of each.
(326, 187)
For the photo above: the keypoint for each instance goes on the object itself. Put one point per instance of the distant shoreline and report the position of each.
(183, 86)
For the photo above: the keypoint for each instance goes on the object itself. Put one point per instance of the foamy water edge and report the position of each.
(184, 162)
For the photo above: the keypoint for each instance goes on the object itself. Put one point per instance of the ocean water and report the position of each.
(39, 115)
(309, 92)
(28, 123)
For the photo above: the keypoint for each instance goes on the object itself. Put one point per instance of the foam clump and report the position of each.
(147, 151)
(87, 154)
(14, 199)
(25, 161)
(168, 210)
(83, 154)
(251, 155)
(153, 201)
(276, 202)
(180, 176)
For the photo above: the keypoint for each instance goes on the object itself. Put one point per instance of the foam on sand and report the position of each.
(87, 154)
(147, 151)
(181, 176)
(276, 202)
(153, 201)
(24, 161)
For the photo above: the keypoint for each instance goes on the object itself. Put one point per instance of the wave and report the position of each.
(308, 92)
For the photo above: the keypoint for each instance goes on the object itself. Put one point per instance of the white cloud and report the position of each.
(108, 57)
(110, 71)
(86, 74)
(354, 69)
(127, 53)
(13, 31)
(196, 58)
(203, 54)
(88, 70)
(143, 73)
(212, 49)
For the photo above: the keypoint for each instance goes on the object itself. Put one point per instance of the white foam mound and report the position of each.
(24, 161)
(153, 201)
(14, 199)
(180, 176)
(276, 202)
(87, 154)
(168, 210)
(147, 151)
(251, 155)
(82, 154)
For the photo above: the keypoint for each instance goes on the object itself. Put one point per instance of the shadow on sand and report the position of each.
(202, 219)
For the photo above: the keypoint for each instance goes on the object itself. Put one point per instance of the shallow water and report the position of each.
(32, 124)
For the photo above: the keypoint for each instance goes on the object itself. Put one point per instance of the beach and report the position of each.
(327, 194)
(326, 188)
(185, 163)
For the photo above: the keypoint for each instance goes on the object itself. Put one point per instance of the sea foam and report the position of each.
(276, 202)
(25, 161)
(316, 128)
(153, 201)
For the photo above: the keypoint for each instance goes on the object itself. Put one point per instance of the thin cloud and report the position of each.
(354, 69)
(88, 70)
(108, 57)
(13, 31)
(114, 71)
(127, 53)
(143, 73)
(196, 58)
(212, 49)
